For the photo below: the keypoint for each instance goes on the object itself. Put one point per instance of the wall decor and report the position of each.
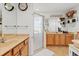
(23, 6)
(73, 20)
(8, 6)
(68, 21)
(71, 13)
(62, 18)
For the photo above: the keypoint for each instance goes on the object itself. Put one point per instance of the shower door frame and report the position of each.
(42, 31)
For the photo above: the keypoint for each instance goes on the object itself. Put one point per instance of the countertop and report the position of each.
(58, 33)
(54, 32)
(11, 42)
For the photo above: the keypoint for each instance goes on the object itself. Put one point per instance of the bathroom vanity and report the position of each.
(15, 45)
(58, 38)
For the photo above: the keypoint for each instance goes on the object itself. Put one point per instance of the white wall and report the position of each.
(53, 24)
(21, 18)
(0, 10)
(74, 27)
(9, 19)
(71, 27)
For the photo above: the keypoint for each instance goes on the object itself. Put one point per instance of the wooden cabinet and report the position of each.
(19, 50)
(21, 45)
(9, 53)
(15, 50)
(62, 39)
(24, 50)
(69, 38)
(50, 39)
(59, 39)
(17, 54)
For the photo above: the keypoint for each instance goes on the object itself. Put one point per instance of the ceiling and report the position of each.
(54, 8)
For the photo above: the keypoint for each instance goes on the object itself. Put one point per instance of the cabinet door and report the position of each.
(53, 39)
(69, 38)
(62, 39)
(24, 51)
(49, 39)
(17, 54)
(8, 53)
(16, 50)
(57, 39)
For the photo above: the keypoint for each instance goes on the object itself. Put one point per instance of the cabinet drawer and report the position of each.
(8, 53)
(15, 50)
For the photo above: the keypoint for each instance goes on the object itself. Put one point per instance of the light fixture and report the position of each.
(37, 9)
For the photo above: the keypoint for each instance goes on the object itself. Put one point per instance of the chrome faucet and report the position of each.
(2, 40)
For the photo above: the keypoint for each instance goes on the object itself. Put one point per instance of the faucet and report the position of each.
(2, 40)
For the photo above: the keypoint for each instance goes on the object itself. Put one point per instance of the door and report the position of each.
(38, 32)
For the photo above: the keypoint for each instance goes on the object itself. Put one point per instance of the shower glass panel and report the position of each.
(38, 32)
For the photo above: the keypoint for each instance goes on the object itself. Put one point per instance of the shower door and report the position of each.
(38, 32)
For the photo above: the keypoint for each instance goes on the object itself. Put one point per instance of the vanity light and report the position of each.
(37, 9)
(73, 20)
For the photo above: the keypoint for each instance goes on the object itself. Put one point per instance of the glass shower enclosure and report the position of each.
(38, 32)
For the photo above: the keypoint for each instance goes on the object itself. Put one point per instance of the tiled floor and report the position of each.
(59, 50)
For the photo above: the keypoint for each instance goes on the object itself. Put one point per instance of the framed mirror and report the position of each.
(23, 6)
(8, 6)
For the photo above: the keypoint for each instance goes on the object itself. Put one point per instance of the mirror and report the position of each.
(22, 6)
(8, 6)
